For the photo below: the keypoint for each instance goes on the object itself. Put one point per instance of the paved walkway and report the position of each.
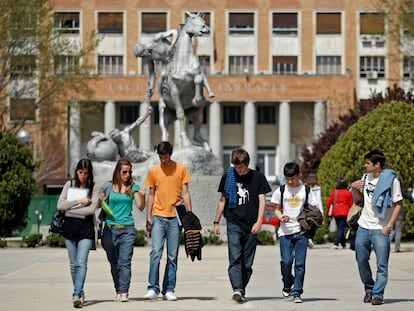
(38, 279)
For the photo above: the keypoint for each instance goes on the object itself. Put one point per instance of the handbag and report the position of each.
(58, 220)
(332, 206)
(353, 216)
(332, 225)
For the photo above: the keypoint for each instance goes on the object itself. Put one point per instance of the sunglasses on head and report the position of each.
(126, 172)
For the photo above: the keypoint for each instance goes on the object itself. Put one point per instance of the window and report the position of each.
(372, 23)
(153, 22)
(157, 67)
(328, 65)
(285, 24)
(22, 66)
(266, 160)
(204, 64)
(408, 67)
(372, 67)
(285, 65)
(239, 65)
(227, 150)
(241, 23)
(22, 109)
(231, 115)
(128, 114)
(110, 65)
(266, 115)
(110, 23)
(328, 23)
(65, 64)
(67, 22)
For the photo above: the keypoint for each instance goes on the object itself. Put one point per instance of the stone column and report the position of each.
(215, 129)
(319, 118)
(284, 136)
(74, 137)
(250, 132)
(145, 128)
(109, 116)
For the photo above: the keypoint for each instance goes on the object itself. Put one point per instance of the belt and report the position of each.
(117, 226)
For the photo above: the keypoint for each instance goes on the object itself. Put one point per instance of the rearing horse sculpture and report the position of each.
(181, 92)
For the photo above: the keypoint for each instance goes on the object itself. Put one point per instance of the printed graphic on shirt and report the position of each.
(294, 201)
(242, 193)
(369, 188)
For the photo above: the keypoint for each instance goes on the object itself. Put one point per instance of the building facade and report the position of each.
(281, 71)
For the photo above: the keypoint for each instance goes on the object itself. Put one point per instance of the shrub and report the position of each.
(265, 237)
(3, 243)
(55, 240)
(140, 238)
(210, 239)
(33, 240)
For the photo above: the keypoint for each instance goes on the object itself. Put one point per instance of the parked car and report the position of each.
(269, 217)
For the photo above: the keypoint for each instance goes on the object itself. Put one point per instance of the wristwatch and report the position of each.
(389, 228)
(215, 222)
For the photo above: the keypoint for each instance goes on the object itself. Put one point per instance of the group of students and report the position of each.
(242, 202)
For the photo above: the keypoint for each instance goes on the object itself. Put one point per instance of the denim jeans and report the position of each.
(365, 239)
(293, 247)
(340, 231)
(241, 249)
(78, 258)
(119, 247)
(164, 230)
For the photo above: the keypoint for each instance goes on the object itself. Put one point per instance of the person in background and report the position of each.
(312, 182)
(79, 227)
(242, 202)
(293, 242)
(342, 201)
(380, 192)
(119, 231)
(168, 189)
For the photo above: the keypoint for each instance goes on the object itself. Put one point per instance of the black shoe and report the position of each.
(368, 297)
(376, 301)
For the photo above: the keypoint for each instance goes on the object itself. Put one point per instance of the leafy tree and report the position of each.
(42, 71)
(388, 128)
(17, 183)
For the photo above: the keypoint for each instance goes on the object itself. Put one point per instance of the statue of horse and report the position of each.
(181, 91)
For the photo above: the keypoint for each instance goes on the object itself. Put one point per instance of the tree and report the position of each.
(388, 128)
(43, 68)
(17, 183)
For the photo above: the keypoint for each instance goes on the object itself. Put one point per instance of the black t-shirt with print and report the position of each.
(249, 186)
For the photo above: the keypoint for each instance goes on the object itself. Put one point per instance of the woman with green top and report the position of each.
(119, 231)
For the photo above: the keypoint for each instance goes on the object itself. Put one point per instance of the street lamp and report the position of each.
(23, 136)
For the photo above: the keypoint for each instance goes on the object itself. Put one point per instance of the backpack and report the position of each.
(282, 190)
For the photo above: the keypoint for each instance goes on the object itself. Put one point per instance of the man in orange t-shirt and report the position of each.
(168, 188)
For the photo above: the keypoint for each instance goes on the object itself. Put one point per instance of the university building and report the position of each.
(281, 71)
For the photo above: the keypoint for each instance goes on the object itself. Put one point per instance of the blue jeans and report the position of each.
(119, 247)
(242, 249)
(293, 247)
(365, 239)
(340, 231)
(164, 230)
(78, 258)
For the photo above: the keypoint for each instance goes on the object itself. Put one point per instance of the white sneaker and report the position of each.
(151, 295)
(237, 296)
(77, 302)
(124, 297)
(170, 296)
(117, 297)
(310, 243)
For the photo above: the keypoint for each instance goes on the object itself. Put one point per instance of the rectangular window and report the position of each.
(64, 64)
(241, 23)
(266, 160)
(128, 114)
(328, 23)
(110, 23)
(231, 115)
(328, 65)
(372, 67)
(153, 22)
(266, 115)
(372, 23)
(22, 109)
(205, 64)
(239, 65)
(110, 65)
(408, 67)
(285, 65)
(22, 66)
(285, 23)
(157, 67)
(66, 22)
